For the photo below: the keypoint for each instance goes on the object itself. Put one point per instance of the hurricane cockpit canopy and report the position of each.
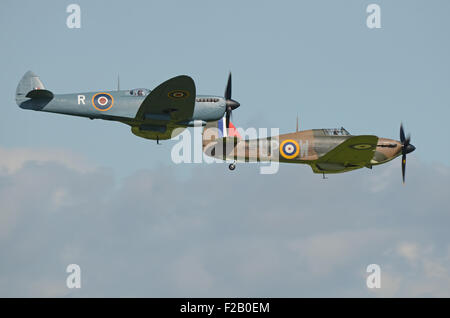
(335, 132)
(139, 92)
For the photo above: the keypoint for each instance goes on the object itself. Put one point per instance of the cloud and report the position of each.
(220, 233)
(410, 251)
(12, 159)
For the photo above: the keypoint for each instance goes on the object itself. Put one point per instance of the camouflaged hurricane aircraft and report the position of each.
(325, 150)
(151, 114)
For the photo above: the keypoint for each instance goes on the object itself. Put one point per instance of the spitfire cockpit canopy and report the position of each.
(139, 92)
(335, 132)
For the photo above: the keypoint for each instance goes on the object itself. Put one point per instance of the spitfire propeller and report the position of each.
(231, 104)
(407, 147)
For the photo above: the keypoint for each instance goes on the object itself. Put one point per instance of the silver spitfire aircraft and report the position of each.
(151, 114)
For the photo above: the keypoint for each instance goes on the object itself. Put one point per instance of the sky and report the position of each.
(91, 193)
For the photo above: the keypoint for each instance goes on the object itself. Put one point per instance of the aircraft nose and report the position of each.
(410, 148)
(232, 104)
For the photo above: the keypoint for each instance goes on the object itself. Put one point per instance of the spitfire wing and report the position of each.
(173, 100)
(355, 151)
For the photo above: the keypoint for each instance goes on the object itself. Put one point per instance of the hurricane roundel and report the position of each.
(289, 149)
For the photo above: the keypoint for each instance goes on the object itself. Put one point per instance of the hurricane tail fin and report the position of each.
(224, 132)
(216, 132)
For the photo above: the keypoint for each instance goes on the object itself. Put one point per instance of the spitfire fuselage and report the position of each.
(154, 114)
(123, 108)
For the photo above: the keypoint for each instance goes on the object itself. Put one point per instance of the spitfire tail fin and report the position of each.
(30, 86)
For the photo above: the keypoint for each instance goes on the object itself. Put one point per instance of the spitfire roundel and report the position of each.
(178, 94)
(102, 101)
(289, 149)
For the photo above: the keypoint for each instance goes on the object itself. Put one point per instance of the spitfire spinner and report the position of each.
(151, 114)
